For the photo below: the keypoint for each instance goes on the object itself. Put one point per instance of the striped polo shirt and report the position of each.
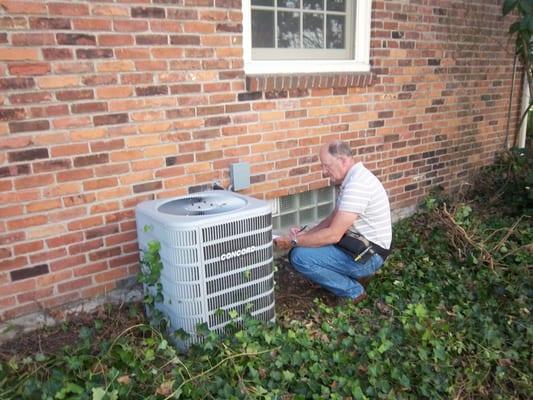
(363, 194)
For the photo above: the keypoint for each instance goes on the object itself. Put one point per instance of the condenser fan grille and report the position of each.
(202, 205)
(232, 228)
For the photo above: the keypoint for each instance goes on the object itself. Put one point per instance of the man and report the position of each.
(361, 218)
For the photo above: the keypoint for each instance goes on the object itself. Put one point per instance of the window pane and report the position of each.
(336, 5)
(307, 216)
(324, 210)
(287, 203)
(288, 30)
(313, 31)
(263, 28)
(313, 4)
(268, 3)
(289, 219)
(335, 32)
(289, 3)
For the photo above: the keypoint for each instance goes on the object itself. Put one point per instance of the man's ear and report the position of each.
(345, 161)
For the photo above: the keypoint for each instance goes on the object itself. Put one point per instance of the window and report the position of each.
(282, 36)
(307, 208)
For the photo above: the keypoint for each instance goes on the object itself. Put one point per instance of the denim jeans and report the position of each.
(333, 269)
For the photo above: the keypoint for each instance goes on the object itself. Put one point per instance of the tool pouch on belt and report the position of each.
(360, 248)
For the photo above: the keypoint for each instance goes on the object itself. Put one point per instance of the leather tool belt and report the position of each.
(360, 248)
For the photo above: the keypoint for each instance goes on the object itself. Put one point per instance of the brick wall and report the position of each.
(108, 103)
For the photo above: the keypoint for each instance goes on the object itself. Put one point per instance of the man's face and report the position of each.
(333, 167)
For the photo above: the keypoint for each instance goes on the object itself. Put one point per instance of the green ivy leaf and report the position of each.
(98, 393)
(508, 6)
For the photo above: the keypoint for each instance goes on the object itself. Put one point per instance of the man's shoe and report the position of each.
(360, 298)
(365, 280)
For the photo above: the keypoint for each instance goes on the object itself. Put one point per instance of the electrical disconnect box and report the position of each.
(240, 176)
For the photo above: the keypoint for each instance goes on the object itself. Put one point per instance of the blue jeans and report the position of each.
(333, 269)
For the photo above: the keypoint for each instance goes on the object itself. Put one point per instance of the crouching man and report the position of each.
(352, 243)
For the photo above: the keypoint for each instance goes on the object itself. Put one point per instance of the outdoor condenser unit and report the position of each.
(216, 249)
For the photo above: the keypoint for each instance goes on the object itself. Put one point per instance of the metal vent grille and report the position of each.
(236, 227)
(216, 250)
(221, 267)
(179, 256)
(239, 278)
(240, 294)
(181, 238)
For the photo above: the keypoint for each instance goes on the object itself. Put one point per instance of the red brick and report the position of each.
(69, 150)
(65, 8)
(14, 263)
(27, 222)
(17, 287)
(111, 275)
(5, 253)
(29, 69)
(11, 211)
(53, 54)
(20, 310)
(7, 302)
(53, 277)
(60, 300)
(52, 165)
(105, 253)
(85, 247)
(130, 26)
(98, 290)
(49, 23)
(19, 54)
(90, 269)
(29, 247)
(74, 284)
(67, 262)
(131, 259)
(115, 40)
(74, 175)
(104, 207)
(49, 111)
(67, 214)
(76, 39)
(68, 95)
(35, 295)
(43, 205)
(32, 39)
(27, 98)
(29, 126)
(75, 200)
(34, 181)
(85, 223)
(100, 183)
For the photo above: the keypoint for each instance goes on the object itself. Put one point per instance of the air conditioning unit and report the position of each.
(216, 249)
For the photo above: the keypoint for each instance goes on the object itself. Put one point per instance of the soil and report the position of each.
(295, 298)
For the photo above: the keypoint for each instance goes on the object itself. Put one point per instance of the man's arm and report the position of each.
(325, 223)
(330, 233)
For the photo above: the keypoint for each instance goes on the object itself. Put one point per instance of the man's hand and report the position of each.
(283, 242)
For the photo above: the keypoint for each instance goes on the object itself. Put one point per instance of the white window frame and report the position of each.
(360, 62)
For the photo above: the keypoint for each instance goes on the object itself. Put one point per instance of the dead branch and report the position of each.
(460, 239)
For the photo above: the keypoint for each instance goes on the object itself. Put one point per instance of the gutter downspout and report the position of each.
(522, 133)
(506, 142)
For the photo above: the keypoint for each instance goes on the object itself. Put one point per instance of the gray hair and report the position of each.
(339, 148)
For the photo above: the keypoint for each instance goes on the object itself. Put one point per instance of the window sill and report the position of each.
(268, 82)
